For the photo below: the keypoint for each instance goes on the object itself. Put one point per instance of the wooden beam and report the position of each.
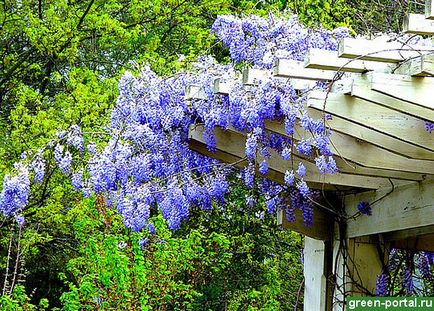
(378, 118)
(422, 66)
(286, 68)
(408, 233)
(429, 9)
(362, 89)
(194, 92)
(379, 50)
(221, 87)
(329, 60)
(414, 90)
(233, 143)
(419, 239)
(406, 207)
(419, 243)
(417, 24)
(252, 76)
(369, 135)
(319, 230)
(366, 159)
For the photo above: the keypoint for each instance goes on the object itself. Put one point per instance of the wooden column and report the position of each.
(315, 284)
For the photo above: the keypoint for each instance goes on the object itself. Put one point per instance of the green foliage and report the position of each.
(113, 272)
(325, 13)
(19, 301)
(59, 65)
(226, 258)
(265, 272)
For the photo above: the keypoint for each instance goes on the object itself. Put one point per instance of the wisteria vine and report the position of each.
(147, 165)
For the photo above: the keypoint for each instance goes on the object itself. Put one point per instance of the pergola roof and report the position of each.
(379, 141)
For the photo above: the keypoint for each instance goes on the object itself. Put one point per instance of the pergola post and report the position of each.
(315, 270)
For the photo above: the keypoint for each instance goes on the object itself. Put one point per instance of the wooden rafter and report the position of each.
(378, 118)
(382, 140)
(413, 90)
(365, 158)
(422, 66)
(286, 68)
(361, 88)
(380, 51)
(417, 24)
(233, 143)
(329, 60)
(429, 9)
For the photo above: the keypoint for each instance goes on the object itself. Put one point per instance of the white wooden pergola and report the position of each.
(381, 147)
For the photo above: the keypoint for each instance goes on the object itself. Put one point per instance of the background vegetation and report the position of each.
(59, 65)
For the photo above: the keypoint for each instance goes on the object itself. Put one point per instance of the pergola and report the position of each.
(383, 152)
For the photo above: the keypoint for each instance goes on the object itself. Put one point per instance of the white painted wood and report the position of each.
(417, 24)
(252, 76)
(369, 135)
(320, 229)
(369, 115)
(194, 92)
(379, 50)
(339, 270)
(422, 66)
(221, 87)
(287, 68)
(407, 207)
(234, 143)
(315, 285)
(329, 60)
(361, 88)
(414, 90)
(365, 264)
(429, 9)
(364, 158)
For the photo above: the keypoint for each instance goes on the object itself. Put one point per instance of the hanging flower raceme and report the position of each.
(147, 163)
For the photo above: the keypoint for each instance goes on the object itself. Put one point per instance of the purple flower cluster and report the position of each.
(407, 280)
(365, 208)
(15, 192)
(147, 162)
(429, 126)
(382, 284)
(260, 40)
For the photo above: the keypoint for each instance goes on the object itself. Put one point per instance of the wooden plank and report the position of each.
(429, 9)
(407, 207)
(365, 264)
(252, 76)
(319, 230)
(315, 284)
(409, 233)
(194, 92)
(417, 24)
(419, 243)
(379, 50)
(233, 143)
(422, 66)
(362, 89)
(221, 87)
(366, 134)
(365, 158)
(329, 60)
(414, 90)
(286, 68)
(378, 118)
